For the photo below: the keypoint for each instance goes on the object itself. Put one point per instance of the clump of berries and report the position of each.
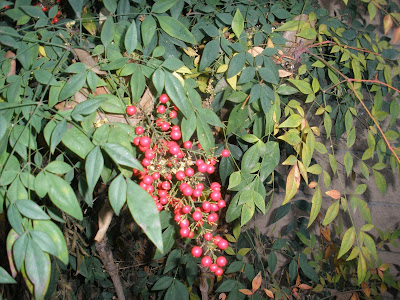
(174, 172)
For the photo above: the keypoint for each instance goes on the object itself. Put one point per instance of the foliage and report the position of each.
(277, 83)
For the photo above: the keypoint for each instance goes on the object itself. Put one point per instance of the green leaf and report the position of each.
(144, 212)
(236, 64)
(210, 54)
(138, 85)
(44, 241)
(161, 6)
(302, 85)
(176, 29)
(121, 155)
(172, 63)
(63, 196)
(234, 180)
(272, 261)
(331, 213)
(45, 77)
(5, 278)
(117, 193)
(111, 104)
(57, 135)
(204, 134)
(292, 121)
(248, 207)
(38, 268)
(348, 163)
(307, 269)
(307, 33)
(76, 141)
(111, 5)
(173, 260)
(347, 241)
(361, 268)
(158, 79)
(293, 25)
(177, 95)
(108, 31)
(177, 290)
(269, 74)
(77, 6)
(55, 233)
(93, 166)
(237, 118)
(162, 283)
(73, 85)
(315, 206)
(238, 23)
(360, 189)
(131, 38)
(210, 117)
(380, 181)
(168, 238)
(34, 11)
(88, 106)
(31, 210)
(285, 89)
(148, 29)
(270, 160)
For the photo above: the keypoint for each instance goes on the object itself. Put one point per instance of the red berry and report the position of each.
(196, 193)
(213, 267)
(189, 172)
(202, 168)
(206, 206)
(173, 114)
(199, 162)
(212, 217)
(219, 272)
(214, 207)
(187, 145)
(136, 141)
(200, 186)
(139, 130)
(180, 175)
(215, 195)
(208, 236)
(197, 216)
(166, 185)
(7, 7)
(58, 13)
(148, 179)
(188, 191)
(191, 235)
(216, 240)
(176, 127)
(225, 153)
(163, 200)
(146, 162)
(176, 135)
(223, 244)
(186, 209)
(164, 126)
(210, 169)
(184, 232)
(44, 8)
(184, 223)
(206, 261)
(221, 261)
(164, 98)
(197, 251)
(145, 141)
(174, 149)
(161, 109)
(221, 203)
(159, 206)
(215, 186)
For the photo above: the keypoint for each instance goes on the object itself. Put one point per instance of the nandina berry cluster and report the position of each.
(174, 174)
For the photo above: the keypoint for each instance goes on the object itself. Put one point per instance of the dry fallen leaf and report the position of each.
(396, 35)
(256, 283)
(105, 216)
(11, 55)
(89, 61)
(255, 51)
(284, 73)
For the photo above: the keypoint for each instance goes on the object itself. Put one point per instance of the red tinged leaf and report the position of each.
(396, 35)
(333, 194)
(246, 292)
(269, 293)
(304, 286)
(292, 183)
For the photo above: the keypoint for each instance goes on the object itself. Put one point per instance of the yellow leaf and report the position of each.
(270, 44)
(222, 68)
(180, 78)
(315, 205)
(42, 51)
(232, 81)
(387, 23)
(333, 194)
(184, 70)
(190, 52)
(292, 183)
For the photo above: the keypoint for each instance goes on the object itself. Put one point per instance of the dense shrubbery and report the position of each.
(205, 101)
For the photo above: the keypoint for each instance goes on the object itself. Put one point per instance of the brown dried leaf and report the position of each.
(269, 293)
(366, 289)
(284, 73)
(387, 23)
(222, 296)
(354, 297)
(327, 234)
(333, 194)
(256, 282)
(255, 51)
(105, 216)
(246, 292)
(89, 61)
